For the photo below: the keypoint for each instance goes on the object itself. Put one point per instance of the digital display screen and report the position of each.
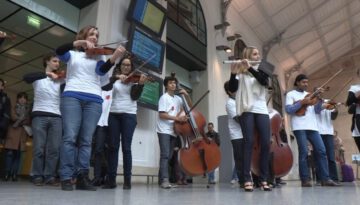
(147, 49)
(149, 15)
(151, 93)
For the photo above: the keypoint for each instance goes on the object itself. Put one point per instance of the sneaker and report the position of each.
(212, 182)
(234, 181)
(165, 185)
(66, 185)
(52, 182)
(38, 181)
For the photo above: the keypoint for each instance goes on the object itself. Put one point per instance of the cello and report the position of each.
(198, 153)
(282, 157)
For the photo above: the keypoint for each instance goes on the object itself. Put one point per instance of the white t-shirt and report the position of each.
(47, 95)
(306, 122)
(172, 106)
(81, 75)
(107, 97)
(122, 102)
(234, 127)
(325, 123)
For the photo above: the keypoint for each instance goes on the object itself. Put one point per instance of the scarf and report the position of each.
(248, 88)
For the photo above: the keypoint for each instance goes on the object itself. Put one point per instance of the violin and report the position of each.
(59, 74)
(331, 105)
(135, 78)
(314, 99)
(100, 51)
(103, 50)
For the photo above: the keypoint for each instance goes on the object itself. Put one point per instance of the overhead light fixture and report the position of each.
(222, 25)
(227, 49)
(234, 37)
(34, 21)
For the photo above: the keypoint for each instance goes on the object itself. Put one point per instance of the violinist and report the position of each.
(169, 106)
(81, 105)
(326, 131)
(122, 120)
(46, 121)
(250, 84)
(354, 108)
(236, 136)
(305, 129)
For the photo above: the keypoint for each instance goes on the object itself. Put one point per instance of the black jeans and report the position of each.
(100, 136)
(238, 147)
(121, 128)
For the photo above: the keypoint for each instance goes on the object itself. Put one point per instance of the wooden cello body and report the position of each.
(198, 153)
(282, 157)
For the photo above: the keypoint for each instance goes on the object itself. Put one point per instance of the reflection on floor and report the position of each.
(23, 192)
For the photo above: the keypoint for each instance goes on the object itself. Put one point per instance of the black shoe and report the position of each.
(83, 183)
(14, 177)
(67, 185)
(97, 181)
(127, 183)
(306, 183)
(109, 184)
(7, 177)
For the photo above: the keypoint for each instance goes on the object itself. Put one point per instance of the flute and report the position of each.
(239, 61)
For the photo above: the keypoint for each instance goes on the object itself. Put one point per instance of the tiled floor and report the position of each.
(16, 193)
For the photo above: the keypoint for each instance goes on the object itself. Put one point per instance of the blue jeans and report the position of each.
(12, 161)
(330, 153)
(121, 128)
(47, 132)
(167, 144)
(79, 123)
(302, 138)
(211, 176)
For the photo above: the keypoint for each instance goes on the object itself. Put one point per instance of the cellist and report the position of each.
(305, 128)
(169, 106)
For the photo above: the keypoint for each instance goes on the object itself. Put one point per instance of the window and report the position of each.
(188, 15)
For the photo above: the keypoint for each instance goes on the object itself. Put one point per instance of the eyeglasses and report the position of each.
(126, 65)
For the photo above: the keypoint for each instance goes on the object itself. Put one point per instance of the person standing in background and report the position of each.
(46, 121)
(214, 136)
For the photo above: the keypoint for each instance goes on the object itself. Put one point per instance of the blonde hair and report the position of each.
(246, 54)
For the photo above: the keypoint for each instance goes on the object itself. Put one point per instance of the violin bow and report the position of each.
(198, 101)
(142, 65)
(330, 79)
(347, 82)
(117, 42)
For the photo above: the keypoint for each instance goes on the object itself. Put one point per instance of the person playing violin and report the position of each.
(235, 132)
(354, 108)
(326, 131)
(46, 121)
(250, 84)
(122, 120)
(81, 105)
(169, 106)
(305, 128)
